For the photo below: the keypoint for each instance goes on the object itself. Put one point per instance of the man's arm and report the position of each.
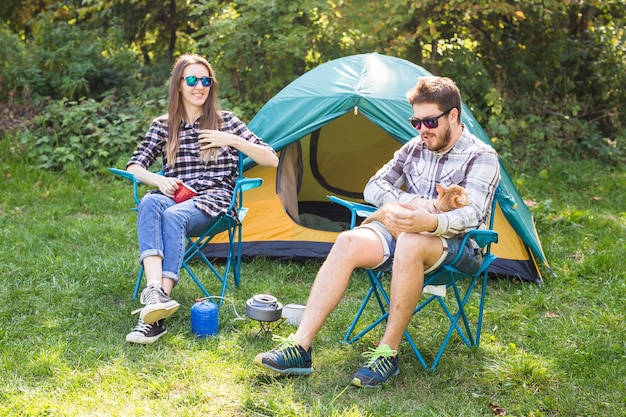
(385, 185)
(480, 183)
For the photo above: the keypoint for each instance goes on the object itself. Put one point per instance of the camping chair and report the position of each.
(225, 222)
(445, 276)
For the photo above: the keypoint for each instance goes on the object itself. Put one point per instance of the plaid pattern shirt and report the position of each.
(214, 181)
(415, 170)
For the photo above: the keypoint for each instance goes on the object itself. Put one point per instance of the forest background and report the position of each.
(80, 80)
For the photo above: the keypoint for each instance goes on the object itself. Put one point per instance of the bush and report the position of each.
(88, 134)
(71, 62)
(11, 66)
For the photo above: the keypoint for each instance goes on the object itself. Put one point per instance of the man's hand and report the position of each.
(413, 219)
(426, 204)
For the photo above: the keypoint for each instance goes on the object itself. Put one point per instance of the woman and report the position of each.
(200, 146)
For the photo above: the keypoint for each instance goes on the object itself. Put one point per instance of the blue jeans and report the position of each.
(162, 228)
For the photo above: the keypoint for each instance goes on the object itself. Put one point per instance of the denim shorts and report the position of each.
(470, 261)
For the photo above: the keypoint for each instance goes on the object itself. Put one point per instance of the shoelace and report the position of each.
(149, 295)
(383, 351)
(285, 342)
(289, 350)
(142, 327)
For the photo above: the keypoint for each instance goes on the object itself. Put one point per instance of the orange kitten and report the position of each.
(448, 198)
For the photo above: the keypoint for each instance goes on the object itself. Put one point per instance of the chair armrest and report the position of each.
(356, 209)
(245, 184)
(123, 173)
(242, 184)
(129, 176)
(483, 237)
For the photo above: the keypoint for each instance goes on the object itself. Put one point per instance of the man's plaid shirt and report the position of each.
(415, 170)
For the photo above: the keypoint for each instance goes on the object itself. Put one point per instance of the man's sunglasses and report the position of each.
(192, 81)
(430, 123)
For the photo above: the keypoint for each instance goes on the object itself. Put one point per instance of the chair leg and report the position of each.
(376, 289)
(232, 263)
(237, 263)
(464, 331)
(357, 317)
(138, 284)
(481, 308)
(196, 280)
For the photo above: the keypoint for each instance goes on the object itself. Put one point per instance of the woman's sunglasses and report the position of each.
(192, 81)
(430, 123)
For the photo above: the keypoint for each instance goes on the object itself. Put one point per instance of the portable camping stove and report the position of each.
(267, 310)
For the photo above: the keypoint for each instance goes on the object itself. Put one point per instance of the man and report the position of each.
(446, 153)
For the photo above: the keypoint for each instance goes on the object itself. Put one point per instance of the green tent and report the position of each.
(334, 127)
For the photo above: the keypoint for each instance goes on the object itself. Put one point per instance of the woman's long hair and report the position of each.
(210, 119)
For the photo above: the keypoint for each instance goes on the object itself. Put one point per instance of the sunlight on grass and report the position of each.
(70, 264)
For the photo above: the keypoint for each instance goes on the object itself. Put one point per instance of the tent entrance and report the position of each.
(336, 159)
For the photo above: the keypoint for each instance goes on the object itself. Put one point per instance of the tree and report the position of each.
(257, 46)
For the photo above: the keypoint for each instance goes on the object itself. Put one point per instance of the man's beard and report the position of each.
(443, 141)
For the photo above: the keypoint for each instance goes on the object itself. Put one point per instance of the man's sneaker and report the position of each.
(158, 305)
(382, 365)
(146, 333)
(288, 358)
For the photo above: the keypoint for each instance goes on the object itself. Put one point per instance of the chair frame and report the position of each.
(225, 222)
(446, 275)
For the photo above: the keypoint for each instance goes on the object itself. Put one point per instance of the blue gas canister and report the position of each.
(204, 318)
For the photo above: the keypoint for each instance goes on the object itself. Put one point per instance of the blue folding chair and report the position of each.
(446, 275)
(225, 222)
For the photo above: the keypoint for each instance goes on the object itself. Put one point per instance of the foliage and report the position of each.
(253, 58)
(65, 61)
(538, 97)
(87, 133)
(157, 30)
(569, 80)
(11, 63)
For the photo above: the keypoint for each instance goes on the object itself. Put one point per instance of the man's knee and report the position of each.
(417, 246)
(343, 244)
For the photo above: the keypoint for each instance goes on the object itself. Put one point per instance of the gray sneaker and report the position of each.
(158, 305)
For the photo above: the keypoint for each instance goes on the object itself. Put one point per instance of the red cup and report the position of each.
(183, 193)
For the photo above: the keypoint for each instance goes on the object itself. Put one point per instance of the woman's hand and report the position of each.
(262, 155)
(216, 139)
(168, 185)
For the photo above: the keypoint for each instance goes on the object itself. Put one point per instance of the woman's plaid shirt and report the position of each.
(215, 180)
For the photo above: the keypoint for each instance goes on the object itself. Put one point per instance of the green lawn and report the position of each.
(68, 265)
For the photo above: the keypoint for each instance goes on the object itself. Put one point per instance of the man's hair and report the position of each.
(441, 91)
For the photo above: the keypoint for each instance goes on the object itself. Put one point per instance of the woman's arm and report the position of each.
(261, 154)
(167, 185)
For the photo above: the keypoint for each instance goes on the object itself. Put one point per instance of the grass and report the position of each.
(68, 262)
